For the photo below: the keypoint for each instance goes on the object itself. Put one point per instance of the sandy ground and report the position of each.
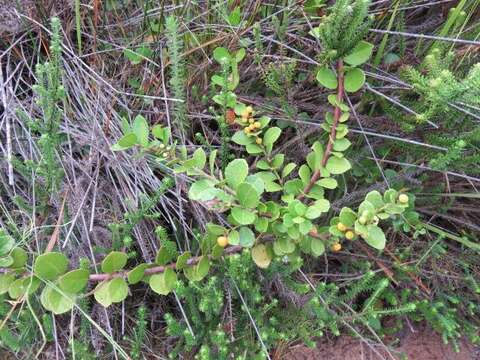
(424, 344)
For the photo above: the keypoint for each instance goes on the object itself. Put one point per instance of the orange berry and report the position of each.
(349, 235)
(222, 241)
(336, 247)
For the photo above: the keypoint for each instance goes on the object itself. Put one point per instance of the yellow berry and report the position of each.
(245, 113)
(403, 198)
(257, 124)
(251, 127)
(349, 235)
(258, 140)
(336, 247)
(251, 120)
(247, 130)
(222, 241)
(249, 109)
(341, 227)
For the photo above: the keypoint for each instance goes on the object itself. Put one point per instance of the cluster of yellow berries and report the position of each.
(251, 126)
(349, 234)
(164, 151)
(222, 241)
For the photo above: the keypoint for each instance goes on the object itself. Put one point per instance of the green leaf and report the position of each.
(235, 17)
(354, 80)
(347, 217)
(240, 54)
(23, 285)
(16, 288)
(164, 255)
(51, 265)
(211, 160)
(182, 260)
(257, 183)
(56, 301)
(293, 187)
(140, 129)
(5, 281)
(327, 78)
(163, 283)
(221, 55)
(201, 190)
(393, 209)
(261, 256)
(137, 56)
(6, 261)
(200, 158)
(288, 169)
(236, 172)
(317, 247)
(19, 257)
(375, 198)
(243, 216)
(125, 142)
(246, 237)
(283, 246)
(327, 183)
(261, 224)
(360, 54)
(305, 227)
(199, 271)
(234, 237)
(241, 138)
(305, 174)
(136, 275)
(341, 144)
(375, 237)
(161, 133)
(313, 212)
(336, 165)
(202, 267)
(219, 80)
(247, 195)
(6, 242)
(253, 149)
(112, 291)
(114, 261)
(74, 281)
(390, 196)
(270, 136)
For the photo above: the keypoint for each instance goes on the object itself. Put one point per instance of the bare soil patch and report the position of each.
(423, 344)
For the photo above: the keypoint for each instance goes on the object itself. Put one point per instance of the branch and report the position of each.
(160, 269)
(333, 132)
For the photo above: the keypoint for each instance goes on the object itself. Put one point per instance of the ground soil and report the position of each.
(423, 344)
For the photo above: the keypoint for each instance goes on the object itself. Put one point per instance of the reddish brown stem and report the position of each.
(159, 269)
(337, 113)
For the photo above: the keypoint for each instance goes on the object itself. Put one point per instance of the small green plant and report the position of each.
(227, 81)
(277, 210)
(177, 72)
